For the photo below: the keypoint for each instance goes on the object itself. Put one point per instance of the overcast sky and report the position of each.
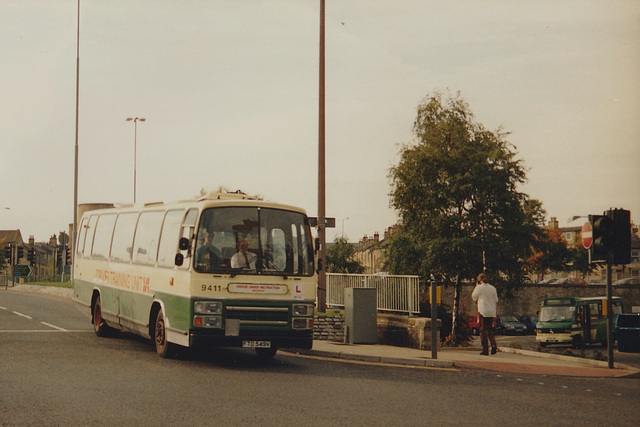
(229, 89)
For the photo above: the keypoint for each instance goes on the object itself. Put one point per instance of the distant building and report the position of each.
(573, 236)
(369, 251)
(47, 256)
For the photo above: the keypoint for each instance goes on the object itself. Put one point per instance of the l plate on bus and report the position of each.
(256, 344)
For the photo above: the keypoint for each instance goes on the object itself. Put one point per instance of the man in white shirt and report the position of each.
(243, 258)
(487, 298)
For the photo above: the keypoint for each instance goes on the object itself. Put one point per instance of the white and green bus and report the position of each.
(169, 272)
(574, 321)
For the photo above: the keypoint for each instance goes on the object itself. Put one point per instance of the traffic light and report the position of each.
(20, 252)
(622, 239)
(603, 237)
(31, 256)
(58, 257)
(67, 253)
(611, 236)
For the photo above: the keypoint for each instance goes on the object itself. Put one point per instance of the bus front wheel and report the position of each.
(164, 348)
(266, 353)
(577, 342)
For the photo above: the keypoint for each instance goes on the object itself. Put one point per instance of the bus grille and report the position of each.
(259, 316)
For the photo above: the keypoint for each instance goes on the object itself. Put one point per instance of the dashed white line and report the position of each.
(22, 315)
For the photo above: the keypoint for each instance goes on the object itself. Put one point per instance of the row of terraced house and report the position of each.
(369, 252)
(49, 261)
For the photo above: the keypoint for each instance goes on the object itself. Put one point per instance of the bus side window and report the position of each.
(147, 236)
(91, 231)
(123, 236)
(169, 238)
(81, 236)
(102, 238)
(188, 230)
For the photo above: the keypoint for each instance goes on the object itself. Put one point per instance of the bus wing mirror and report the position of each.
(179, 260)
(183, 244)
(317, 241)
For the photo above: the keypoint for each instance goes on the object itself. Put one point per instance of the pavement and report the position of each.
(505, 360)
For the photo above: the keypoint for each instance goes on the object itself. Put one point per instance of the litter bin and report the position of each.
(628, 333)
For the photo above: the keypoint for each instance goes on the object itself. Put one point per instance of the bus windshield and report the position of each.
(253, 240)
(557, 314)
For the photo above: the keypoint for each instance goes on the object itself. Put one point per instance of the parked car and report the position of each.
(510, 325)
(628, 281)
(530, 321)
(571, 281)
(473, 325)
(548, 281)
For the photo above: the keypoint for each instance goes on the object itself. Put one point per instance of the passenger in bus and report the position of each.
(207, 255)
(243, 258)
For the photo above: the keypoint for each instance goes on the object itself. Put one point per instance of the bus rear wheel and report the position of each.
(164, 348)
(99, 326)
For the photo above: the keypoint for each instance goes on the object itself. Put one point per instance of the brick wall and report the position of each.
(328, 328)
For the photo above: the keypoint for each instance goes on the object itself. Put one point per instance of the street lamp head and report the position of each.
(142, 119)
(129, 119)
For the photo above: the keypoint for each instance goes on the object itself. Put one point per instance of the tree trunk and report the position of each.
(456, 310)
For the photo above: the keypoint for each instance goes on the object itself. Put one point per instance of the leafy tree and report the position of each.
(456, 192)
(551, 252)
(339, 258)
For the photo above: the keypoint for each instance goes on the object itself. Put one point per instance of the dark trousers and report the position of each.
(486, 332)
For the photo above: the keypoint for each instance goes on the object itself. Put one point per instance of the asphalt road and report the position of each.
(56, 372)
(595, 352)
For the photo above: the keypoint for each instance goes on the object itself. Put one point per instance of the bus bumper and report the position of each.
(558, 338)
(293, 339)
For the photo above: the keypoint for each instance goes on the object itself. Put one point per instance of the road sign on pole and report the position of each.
(587, 235)
(20, 270)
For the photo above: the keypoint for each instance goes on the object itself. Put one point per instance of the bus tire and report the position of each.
(577, 341)
(99, 325)
(266, 353)
(164, 348)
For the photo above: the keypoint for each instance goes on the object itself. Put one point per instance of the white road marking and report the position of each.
(22, 315)
(54, 326)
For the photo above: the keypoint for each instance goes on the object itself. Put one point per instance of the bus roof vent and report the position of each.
(235, 195)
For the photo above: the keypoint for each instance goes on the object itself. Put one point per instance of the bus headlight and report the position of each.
(302, 310)
(207, 307)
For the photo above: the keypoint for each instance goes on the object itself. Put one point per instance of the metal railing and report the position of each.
(399, 294)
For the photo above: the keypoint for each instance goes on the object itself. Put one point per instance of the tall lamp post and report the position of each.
(135, 150)
(322, 253)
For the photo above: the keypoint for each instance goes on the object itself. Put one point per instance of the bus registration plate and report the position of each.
(256, 344)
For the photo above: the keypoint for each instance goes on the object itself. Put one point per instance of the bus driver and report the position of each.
(243, 258)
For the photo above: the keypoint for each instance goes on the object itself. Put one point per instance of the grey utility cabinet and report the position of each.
(361, 318)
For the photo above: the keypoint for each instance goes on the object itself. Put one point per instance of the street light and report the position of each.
(135, 149)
